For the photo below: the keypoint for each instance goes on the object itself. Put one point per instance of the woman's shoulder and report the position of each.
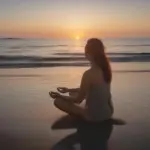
(90, 73)
(93, 71)
(87, 72)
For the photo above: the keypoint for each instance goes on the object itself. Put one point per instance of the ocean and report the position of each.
(29, 53)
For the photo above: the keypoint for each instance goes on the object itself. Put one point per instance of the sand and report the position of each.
(27, 113)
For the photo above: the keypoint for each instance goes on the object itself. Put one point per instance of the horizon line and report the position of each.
(115, 37)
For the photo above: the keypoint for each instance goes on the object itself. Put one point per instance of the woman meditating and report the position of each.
(95, 88)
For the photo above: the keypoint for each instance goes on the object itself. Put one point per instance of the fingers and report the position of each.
(54, 95)
(62, 89)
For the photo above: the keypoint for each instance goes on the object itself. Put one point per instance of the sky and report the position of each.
(74, 18)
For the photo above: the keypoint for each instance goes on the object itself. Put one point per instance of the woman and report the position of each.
(94, 88)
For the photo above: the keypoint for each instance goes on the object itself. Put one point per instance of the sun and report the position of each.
(77, 37)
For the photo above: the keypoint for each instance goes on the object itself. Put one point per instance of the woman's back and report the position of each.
(98, 100)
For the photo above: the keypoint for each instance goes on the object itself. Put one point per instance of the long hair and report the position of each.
(96, 49)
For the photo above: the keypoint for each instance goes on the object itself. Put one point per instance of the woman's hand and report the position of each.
(63, 89)
(54, 95)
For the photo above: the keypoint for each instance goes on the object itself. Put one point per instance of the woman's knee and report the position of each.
(57, 102)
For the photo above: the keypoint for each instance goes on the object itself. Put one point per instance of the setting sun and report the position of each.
(77, 37)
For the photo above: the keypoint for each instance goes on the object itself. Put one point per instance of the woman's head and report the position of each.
(95, 53)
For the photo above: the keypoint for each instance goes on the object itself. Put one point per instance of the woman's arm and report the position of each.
(67, 90)
(84, 86)
(74, 90)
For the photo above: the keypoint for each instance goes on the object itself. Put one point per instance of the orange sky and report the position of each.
(69, 19)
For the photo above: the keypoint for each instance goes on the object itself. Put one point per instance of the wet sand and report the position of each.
(27, 113)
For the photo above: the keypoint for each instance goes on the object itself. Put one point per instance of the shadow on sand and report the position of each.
(89, 136)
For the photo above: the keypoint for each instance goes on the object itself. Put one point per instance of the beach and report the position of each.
(30, 68)
(46, 44)
(27, 112)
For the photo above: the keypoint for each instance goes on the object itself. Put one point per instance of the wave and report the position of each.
(39, 65)
(133, 45)
(114, 53)
(132, 58)
(41, 46)
(121, 57)
(10, 38)
(65, 45)
(67, 59)
(20, 75)
(37, 46)
(38, 58)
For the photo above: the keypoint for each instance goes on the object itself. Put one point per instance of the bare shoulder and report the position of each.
(87, 73)
(95, 71)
